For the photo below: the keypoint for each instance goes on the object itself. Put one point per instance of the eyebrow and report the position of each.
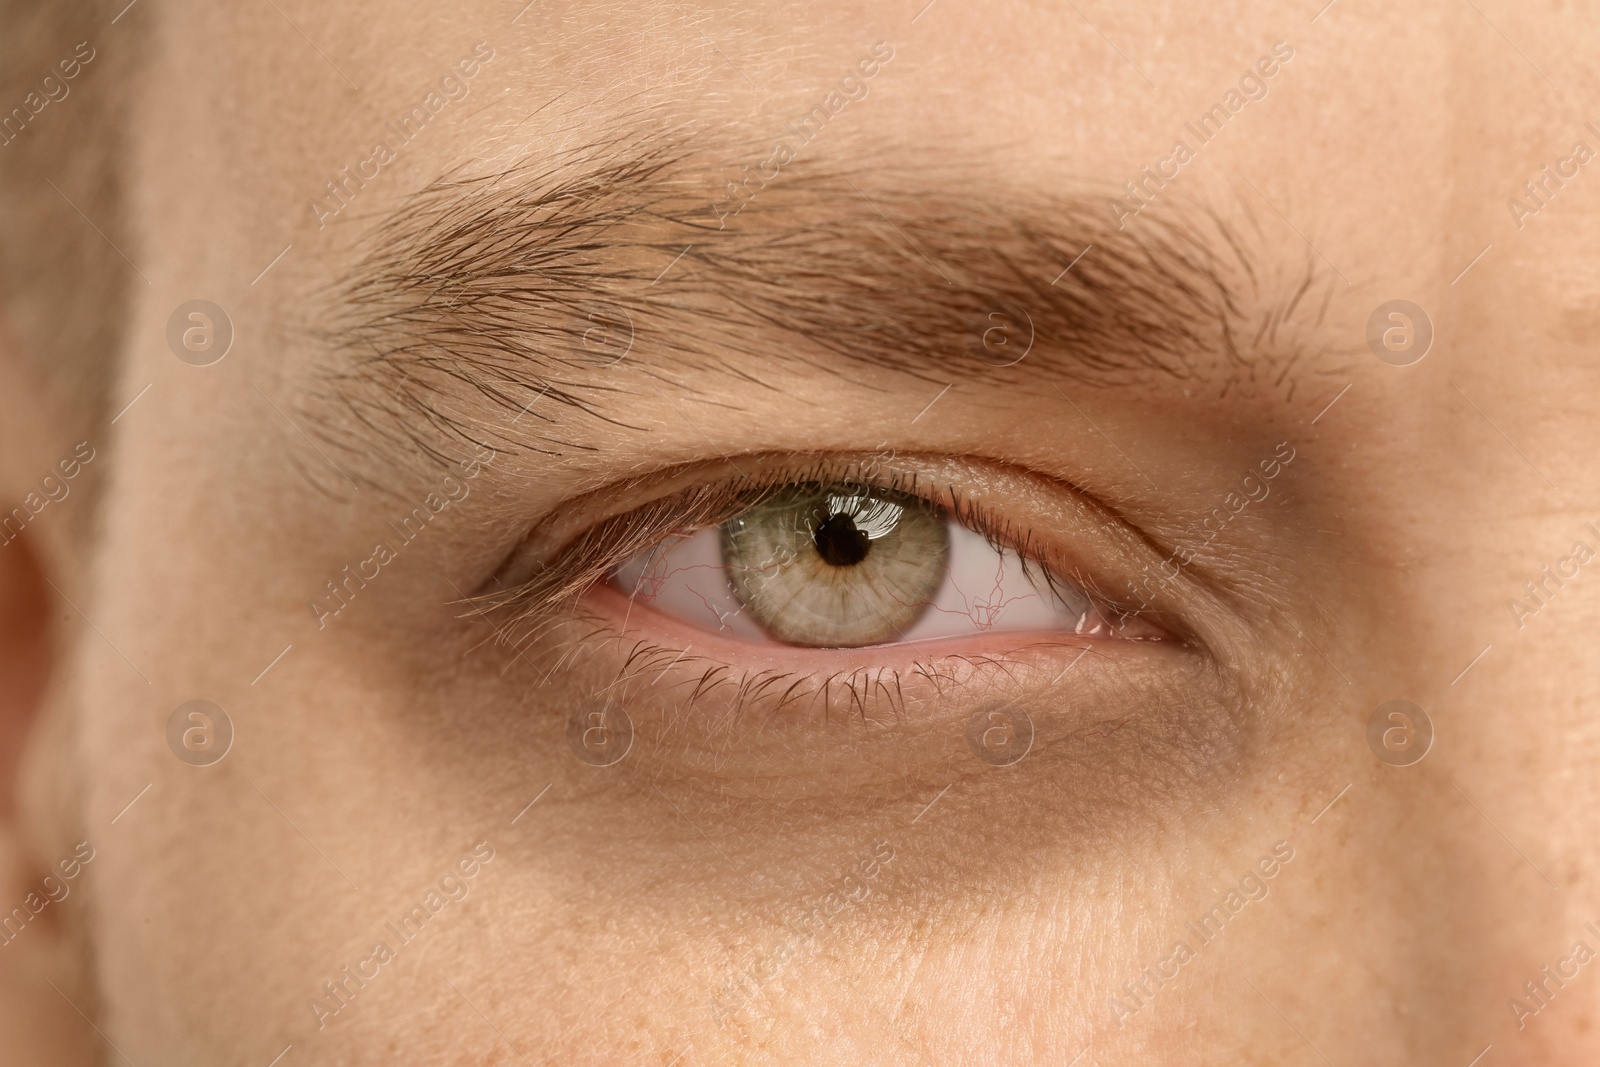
(521, 286)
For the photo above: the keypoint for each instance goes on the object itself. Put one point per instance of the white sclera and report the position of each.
(985, 590)
(686, 577)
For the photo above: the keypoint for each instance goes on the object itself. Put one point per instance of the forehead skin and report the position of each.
(377, 751)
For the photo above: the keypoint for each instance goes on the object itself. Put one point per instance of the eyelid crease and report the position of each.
(559, 578)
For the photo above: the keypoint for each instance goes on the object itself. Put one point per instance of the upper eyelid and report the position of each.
(558, 576)
(562, 523)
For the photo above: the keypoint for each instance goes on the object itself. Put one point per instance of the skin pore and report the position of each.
(554, 298)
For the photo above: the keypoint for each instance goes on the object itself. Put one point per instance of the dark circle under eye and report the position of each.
(840, 542)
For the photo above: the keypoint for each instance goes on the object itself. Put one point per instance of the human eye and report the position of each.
(842, 562)
(719, 624)
(815, 570)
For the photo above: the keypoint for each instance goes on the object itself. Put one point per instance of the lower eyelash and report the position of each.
(865, 693)
(880, 687)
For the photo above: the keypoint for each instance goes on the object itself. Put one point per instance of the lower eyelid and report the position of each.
(706, 709)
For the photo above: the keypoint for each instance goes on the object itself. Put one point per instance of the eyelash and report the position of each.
(533, 604)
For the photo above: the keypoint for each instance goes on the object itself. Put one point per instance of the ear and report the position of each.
(37, 950)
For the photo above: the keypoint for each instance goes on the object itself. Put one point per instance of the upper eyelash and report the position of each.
(592, 556)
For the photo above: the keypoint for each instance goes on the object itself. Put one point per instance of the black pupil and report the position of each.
(838, 541)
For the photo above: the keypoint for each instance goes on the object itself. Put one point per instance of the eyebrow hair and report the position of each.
(493, 289)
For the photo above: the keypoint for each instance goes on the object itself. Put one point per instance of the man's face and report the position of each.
(614, 392)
